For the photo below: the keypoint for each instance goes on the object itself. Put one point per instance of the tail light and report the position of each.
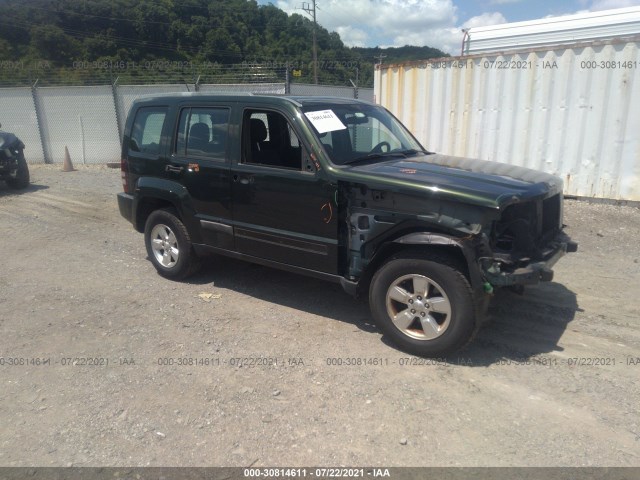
(124, 173)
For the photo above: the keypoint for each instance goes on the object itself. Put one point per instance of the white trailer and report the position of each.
(570, 109)
(553, 31)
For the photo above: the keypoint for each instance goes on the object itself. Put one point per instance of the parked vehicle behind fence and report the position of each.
(13, 166)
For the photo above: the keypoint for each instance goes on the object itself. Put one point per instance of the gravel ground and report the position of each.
(105, 363)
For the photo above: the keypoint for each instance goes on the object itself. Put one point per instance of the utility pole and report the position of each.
(380, 57)
(355, 84)
(311, 10)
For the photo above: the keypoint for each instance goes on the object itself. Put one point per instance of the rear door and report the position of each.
(199, 160)
(283, 209)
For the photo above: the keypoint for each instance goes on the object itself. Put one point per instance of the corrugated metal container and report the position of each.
(572, 112)
(564, 30)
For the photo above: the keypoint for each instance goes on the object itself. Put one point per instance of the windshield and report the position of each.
(356, 132)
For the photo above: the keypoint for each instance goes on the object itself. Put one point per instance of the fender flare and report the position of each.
(169, 191)
(465, 244)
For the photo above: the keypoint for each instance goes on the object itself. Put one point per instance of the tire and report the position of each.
(21, 180)
(431, 301)
(169, 245)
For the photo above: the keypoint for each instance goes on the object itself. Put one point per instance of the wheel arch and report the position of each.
(156, 194)
(459, 250)
(146, 206)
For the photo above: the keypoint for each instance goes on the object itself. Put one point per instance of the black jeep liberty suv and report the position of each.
(339, 189)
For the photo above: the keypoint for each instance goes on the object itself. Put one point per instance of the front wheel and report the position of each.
(169, 245)
(425, 305)
(21, 180)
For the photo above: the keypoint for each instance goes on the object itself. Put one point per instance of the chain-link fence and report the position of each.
(81, 118)
(152, 72)
(89, 120)
(332, 91)
(18, 115)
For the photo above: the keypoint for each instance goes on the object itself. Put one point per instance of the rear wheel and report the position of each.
(425, 305)
(21, 180)
(169, 245)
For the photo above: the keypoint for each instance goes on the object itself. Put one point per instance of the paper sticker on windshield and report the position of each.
(325, 121)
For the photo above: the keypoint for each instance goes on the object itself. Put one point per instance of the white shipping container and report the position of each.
(553, 31)
(569, 110)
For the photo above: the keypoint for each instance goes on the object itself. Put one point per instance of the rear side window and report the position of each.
(202, 132)
(147, 130)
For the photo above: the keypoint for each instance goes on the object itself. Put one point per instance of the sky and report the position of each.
(436, 23)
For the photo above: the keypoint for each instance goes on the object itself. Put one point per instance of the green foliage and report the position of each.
(139, 41)
(400, 54)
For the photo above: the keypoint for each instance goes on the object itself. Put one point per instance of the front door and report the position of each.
(283, 209)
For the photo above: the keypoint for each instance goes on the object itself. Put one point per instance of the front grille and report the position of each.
(525, 228)
(551, 215)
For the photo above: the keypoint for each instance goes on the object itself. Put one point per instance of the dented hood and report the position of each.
(480, 182)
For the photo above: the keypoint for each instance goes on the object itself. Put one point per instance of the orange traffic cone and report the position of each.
(67, 166)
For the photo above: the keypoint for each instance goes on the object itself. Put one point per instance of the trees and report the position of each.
(50, 42)
(194, 32)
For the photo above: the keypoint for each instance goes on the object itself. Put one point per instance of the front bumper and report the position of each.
(533, 273)
(8, 166)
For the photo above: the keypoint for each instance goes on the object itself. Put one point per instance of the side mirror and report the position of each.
(356, 119)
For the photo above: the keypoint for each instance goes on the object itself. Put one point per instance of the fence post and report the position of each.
(287, 80)
(355, 85)
(116, 103)
(355, 89)
(36, 106)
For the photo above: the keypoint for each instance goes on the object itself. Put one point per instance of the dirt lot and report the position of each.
(551, 380)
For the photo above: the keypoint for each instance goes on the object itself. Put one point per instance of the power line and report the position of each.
(380, 57)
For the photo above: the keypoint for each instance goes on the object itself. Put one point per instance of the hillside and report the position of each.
(139, 41)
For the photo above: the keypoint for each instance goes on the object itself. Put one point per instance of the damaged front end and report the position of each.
(525, 242)
(513, 245)
(10, 148)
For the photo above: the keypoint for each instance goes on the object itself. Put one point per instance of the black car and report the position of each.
(339, 189)
(13, 166)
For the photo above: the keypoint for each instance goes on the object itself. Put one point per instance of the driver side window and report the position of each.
(268, 139)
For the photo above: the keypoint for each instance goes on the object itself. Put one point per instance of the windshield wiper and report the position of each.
(413, 151)
(395, 153)
(371, 156)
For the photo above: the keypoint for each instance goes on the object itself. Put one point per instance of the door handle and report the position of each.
(173, 168)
